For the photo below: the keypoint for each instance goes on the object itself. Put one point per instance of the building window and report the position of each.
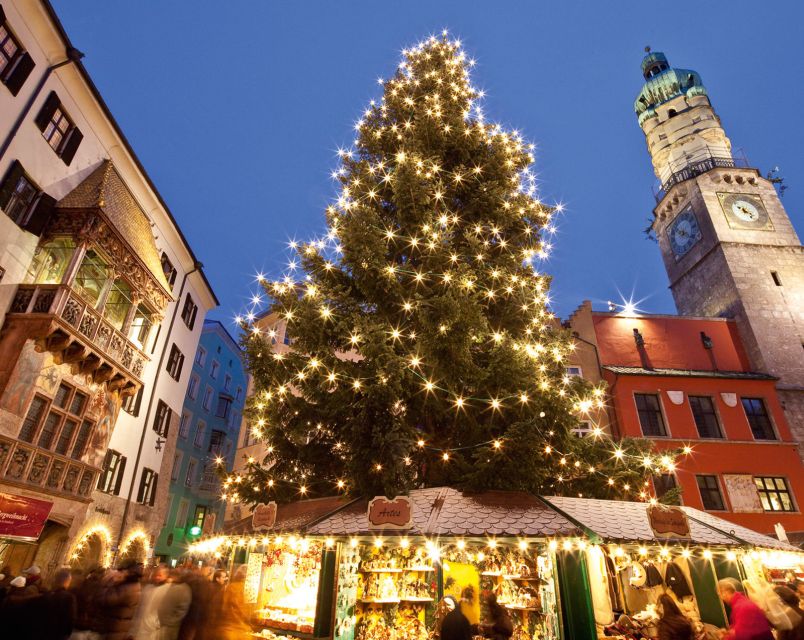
(758, 418)
(573, 372)
(118, 303)
(215, 370)
(54, 424)
(57, 129)
(184, 424)
(175, 362)
(199, 516)
(777, 280)
(16, 64)
(703, 410)
(50, 261)
(189, 477)
(216, 440)
(91, 278)
(168, 269)
(192, 388)
(207, 401)
(140, 327)
(111, 476)
(227, 382)
(162, 419)
(239, 394)
(181, 514)
(199, 433)
(174, 470)
(188, 312)
(224, 406)
(147, 491)
(201, 356)
(650, 414)
(774, 493)
(711, 495)
(233, 419)
(131, 404)
(664, 483)
(21, 200)
(583, 429)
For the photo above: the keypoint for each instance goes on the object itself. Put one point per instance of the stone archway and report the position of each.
(51, 549)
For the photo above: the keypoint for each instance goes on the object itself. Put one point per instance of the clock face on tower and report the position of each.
(683, 233)
(745, 211)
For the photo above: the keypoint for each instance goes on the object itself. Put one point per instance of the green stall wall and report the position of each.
(577, 615)
(704, 584)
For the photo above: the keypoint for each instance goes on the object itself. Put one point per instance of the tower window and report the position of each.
(776, 279)
(672, 113)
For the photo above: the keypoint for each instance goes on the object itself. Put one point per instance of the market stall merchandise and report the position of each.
(560, 567)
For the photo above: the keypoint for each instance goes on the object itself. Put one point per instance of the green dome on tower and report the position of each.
(662, 83)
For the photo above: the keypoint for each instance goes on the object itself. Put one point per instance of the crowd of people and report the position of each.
(127, 603)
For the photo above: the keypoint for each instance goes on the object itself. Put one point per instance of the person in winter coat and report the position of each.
(145, 625)
(747, 621)
(33, 581)
(86, 593)
(174, 606)
(673, 625)
(17, 612)
(117, 602)
(195, 623)
(795, 613)
(217, 589)
(234, 612)
(58, 608)
(455, 625)
(499, 625)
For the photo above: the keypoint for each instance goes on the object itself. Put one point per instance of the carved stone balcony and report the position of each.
(61, 322)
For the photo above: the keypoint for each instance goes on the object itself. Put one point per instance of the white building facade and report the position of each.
(102, 302)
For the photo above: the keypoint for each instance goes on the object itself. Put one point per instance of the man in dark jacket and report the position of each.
(455, 625)
(58, 608)
(117, 602)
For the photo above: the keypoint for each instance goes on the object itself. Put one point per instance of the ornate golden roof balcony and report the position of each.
(64, 324)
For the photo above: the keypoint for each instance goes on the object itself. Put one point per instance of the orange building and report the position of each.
(686, 381)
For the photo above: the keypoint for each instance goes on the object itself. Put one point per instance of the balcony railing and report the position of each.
(30, 466)
(695, 167)
(80, 333)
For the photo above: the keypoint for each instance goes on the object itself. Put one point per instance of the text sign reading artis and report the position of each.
(668, 522)
(22, 517)
(390, 514)
(264, 517)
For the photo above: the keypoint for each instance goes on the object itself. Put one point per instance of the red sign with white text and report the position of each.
(22, 517)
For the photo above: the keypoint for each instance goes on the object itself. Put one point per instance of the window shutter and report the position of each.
(40, 215)
(71, 146)
(166, 424)
(119, 483)
(2, 15)
(180, 366)
(154, 484)
(47, 111)
(20, 73)
(105, 472)
(141, 490)
(9, 182)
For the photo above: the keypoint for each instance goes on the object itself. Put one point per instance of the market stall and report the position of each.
(643, 551)
(560, 567)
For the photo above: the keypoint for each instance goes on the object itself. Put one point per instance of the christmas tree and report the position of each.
(422, 350)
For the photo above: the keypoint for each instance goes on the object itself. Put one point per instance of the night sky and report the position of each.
(237, 110)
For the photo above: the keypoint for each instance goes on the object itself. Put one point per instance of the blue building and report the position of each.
(209, 429)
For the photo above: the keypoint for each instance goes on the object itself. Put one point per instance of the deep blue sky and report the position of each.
(236, 110)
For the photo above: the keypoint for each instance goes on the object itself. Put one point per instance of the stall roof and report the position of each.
(294, 516)
(449, 512)
(619, 521)
(743, 534)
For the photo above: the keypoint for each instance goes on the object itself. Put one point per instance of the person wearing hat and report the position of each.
(455, 625)
(33, 581)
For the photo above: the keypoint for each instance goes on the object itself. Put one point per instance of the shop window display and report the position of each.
(286, 582)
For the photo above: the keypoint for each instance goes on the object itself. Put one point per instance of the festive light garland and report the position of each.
(138, 535)
(82, 541)
(365, 182)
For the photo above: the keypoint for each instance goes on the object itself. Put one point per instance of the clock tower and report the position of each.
(728, 245)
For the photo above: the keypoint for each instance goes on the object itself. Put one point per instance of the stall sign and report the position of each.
(390, 514)
(264, 517)
(21, 517)
(668, 522)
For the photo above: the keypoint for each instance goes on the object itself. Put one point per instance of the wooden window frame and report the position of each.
(660, 410)
(718, 424)
(766, 414)
(769, 492)
(717, 487)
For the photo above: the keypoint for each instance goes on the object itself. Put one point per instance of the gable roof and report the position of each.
(443, 511)
(105, 190)
(294, 516)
